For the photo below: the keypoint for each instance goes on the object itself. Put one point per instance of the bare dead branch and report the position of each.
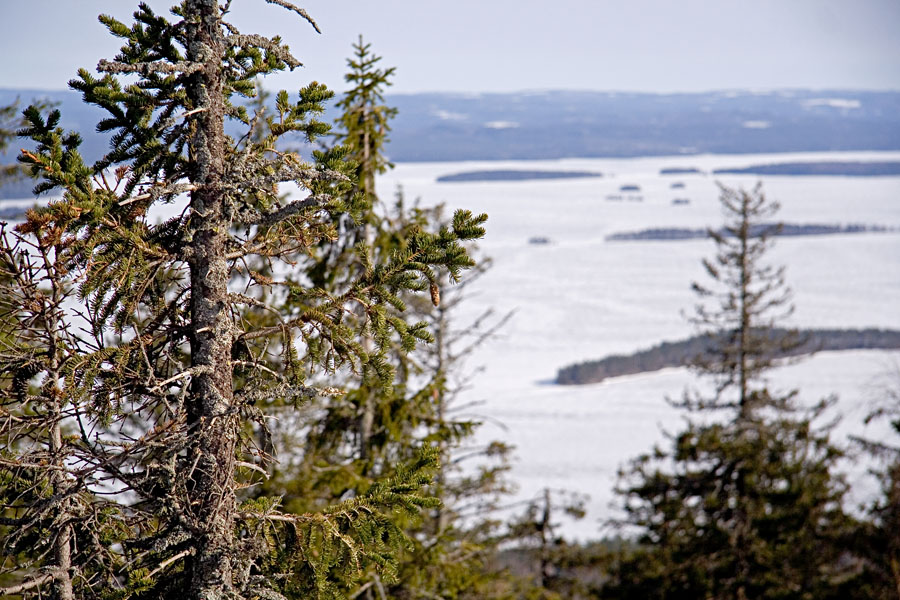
(193, 371)
(25, 586)
(291, 7)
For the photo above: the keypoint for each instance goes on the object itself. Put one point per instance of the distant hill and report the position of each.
(560, 124)
(678, 354)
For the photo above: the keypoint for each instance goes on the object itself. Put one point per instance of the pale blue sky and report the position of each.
(508, 45)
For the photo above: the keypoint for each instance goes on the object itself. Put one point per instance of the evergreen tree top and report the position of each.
(744, 304)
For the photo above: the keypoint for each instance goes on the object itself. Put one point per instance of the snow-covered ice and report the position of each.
(581, 298)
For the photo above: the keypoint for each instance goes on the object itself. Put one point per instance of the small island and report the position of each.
(512, 175)
(829, 168)
(539, 240)
(680, 171)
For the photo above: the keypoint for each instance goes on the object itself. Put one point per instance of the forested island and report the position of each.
(787, 230)
(680, 353)
(512, 175)
(832, 168)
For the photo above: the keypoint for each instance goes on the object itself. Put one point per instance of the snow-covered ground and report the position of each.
(580, 298)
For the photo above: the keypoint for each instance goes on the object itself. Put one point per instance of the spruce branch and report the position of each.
(157, 192)
(278, 50)
(287, 211)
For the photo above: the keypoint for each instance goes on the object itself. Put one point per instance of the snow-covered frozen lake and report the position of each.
(580, 297)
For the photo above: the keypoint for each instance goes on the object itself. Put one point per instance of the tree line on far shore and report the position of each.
(784, 229)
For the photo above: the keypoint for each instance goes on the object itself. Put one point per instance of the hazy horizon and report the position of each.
(503, 46)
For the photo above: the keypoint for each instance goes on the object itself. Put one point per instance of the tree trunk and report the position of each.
(53, 325)
(744, 308)
(62, 545)
(211, 415)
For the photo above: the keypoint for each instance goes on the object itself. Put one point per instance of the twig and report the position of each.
(189, 373)
(22, 587)
(252, 467)
(156, 193)
(168, 562)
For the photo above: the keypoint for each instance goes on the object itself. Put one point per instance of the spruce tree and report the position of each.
(43, 504)
(11, 120)
(8, 125)
(453, 545)
(362, 437)
(741, 306)
(745, 504)
(167, 385)
(877, 540)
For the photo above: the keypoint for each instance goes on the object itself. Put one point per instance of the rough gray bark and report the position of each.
(211, 415)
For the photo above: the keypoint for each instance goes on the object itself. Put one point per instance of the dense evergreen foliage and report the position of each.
(877, 541)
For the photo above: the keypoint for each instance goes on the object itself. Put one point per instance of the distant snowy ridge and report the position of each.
(434, 127)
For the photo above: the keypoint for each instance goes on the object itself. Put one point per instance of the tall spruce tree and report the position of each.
(352, 442)
(164, 383)
(745, 504)
(454, 544)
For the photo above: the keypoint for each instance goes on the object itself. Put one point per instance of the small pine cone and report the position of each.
(435, 294)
